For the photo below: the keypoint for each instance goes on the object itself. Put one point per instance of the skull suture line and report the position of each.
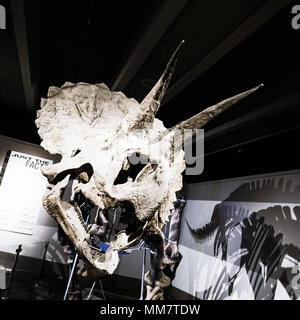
(97, 132)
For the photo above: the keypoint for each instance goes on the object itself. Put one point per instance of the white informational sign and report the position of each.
(21, 191)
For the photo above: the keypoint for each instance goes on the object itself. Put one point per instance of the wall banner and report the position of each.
(22, 187)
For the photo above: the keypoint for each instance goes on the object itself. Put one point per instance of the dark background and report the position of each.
(231, 46)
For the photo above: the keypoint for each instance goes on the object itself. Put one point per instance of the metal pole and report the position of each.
(13, 271)
(91, 291)
(143, 271)
(102, 291)
(73, 267)
(71, 276)
(113, 224)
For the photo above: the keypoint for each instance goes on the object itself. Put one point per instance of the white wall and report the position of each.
(200, 268)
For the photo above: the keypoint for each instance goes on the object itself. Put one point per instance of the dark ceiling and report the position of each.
(230, 46)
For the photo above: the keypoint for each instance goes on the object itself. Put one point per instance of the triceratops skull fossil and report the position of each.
(100, 134)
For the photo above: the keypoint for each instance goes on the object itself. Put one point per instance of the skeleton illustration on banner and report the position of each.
(116, 152)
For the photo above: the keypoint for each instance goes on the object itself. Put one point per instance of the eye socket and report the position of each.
(134, 165)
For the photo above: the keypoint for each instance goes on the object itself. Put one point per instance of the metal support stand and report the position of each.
(142, 247)
(92, 289)
(102, 291)
(89, 295)
(143, 271)
(112, 230)
(18, 251)
(109, 238)
(73, 268)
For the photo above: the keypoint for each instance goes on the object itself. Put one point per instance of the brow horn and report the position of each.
(152, 101)
(203, 117)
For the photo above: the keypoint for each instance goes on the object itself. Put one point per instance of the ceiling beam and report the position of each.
(20, 29)
(155, 31)
(250, 25)
(255, 139)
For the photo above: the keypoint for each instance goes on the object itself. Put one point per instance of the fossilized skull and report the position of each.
(115, 151)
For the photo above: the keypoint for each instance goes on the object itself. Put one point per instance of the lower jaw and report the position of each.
(70, 219)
